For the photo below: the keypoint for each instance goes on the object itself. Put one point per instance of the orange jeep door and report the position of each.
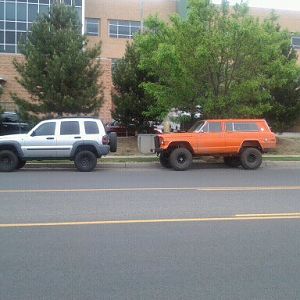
(211, 139)
(239, 131)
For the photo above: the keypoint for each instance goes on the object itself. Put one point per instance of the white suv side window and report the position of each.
(91, 127)
(45, 129)
(69, 128)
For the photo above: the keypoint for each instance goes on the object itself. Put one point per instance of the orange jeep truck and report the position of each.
(239, 141)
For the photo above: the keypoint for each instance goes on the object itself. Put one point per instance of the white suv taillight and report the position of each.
(105, 140)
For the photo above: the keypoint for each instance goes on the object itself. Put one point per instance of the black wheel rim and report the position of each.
(85, 162)
(252, 158)
(181, 159)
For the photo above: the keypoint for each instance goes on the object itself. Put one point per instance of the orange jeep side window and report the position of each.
(229, 127)
(215, 127)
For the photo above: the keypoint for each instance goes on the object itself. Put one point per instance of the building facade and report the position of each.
(111, 22)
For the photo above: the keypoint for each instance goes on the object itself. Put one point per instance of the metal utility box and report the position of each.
(146, 143)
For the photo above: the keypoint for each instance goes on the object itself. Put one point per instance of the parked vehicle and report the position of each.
(239, 141)
(120, 129)
(10, 123)
(130, 130)
(82, 140)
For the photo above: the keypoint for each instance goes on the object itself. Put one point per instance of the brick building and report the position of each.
(113, 22)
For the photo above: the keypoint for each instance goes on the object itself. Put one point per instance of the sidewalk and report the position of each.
(151, 161)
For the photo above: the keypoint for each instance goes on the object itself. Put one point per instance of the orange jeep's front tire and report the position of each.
(181, 159)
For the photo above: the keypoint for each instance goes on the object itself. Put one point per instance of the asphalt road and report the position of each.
(207, 233)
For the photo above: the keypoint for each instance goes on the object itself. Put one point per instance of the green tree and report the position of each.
(220, 58)
(131, 102)
(59, 71)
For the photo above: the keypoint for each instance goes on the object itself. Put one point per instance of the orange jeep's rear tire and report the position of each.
(251, 158)
(232, 161)
(180, 159)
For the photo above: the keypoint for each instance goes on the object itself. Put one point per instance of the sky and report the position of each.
(276, 4)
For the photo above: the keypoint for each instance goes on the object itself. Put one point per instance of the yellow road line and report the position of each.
(199, 189)
(123, 222)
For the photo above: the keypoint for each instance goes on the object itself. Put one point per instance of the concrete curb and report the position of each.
(136, 165)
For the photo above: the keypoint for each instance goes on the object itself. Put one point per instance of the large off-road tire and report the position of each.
(8, 161)
(232, 161)
(180, 159)
(113, 141)
(164, 160)
(85, 161)
(251, 158)
(21, 164)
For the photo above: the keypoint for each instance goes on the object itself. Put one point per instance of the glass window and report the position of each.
(44, 1)
(10, 37)
(69, 127)
(10, 11)
(10, 25)
(205, 128)
(78, 2)
(91, 127)
(79, 12)
(1, 24)
(246, 127)
(45, 129)
(229, 127)
(21, 37)
(10, 49)
(10, 118)
(1, 11)
(21, 11)
(44, 9)
(1, 37)
(215, 127)
(32, 12)
(21, 26)
(296, 42)
(123, 29)
(92, 27)
(113, 30)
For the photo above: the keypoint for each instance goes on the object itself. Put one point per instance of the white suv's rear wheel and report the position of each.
(85, 161)
(8, 161)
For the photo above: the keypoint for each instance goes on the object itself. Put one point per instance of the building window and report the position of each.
(92, 27)
(296, 42)
(123, 29)
(17, 16)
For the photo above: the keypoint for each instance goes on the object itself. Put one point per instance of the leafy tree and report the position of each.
(131, 102)
(220, 58)
(60, 73)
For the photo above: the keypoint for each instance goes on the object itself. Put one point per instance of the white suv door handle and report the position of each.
(50, 138)
(77, 137)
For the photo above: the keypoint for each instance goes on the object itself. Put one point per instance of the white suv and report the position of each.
(81, 140)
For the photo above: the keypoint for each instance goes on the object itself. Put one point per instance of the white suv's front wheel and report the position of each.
(85, 161)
